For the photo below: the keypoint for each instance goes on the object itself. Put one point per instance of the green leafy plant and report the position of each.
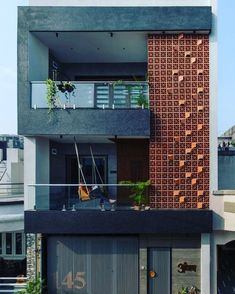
(187, 290)
(139, 191)
(193, 290)
(142, 101)
(34, 286)
(117, 83)
(51, 94)
(66, 87)
(140, 98)
(183, 290)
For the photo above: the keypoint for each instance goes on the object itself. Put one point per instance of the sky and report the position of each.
(8, 65)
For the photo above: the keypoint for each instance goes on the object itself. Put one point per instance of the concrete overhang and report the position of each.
(119, 222)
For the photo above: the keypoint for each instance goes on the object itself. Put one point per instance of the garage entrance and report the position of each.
(88, 265)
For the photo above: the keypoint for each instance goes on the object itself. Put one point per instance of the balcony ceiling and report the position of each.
(68, 139)
(98, 47)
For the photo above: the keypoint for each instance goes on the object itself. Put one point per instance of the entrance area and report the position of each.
(226, 268)
(159, 270)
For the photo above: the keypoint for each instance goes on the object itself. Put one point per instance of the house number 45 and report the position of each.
(78, 282)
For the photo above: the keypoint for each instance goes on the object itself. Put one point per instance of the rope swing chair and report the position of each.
(84, 192)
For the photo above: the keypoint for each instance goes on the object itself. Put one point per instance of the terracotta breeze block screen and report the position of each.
(178, 68)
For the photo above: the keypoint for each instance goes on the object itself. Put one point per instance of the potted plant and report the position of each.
(139, 193)
(142, 101)
(66, 87)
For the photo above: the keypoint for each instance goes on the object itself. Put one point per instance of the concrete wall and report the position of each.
(38, 59)
(36, 169)
(118, 3)
(224, 210)
(188, 278)
(213, 38)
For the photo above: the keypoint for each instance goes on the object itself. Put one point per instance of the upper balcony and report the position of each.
(93, 108)
(110, 95)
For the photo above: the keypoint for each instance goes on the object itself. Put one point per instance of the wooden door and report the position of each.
(132, 164)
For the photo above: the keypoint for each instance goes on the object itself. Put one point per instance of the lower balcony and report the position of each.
(59, 209)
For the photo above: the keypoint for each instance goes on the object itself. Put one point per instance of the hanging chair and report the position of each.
(83, 191)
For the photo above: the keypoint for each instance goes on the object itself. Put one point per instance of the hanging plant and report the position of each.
(51, 94)
(66, 87)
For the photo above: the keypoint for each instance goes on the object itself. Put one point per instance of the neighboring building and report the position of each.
(224, 214)
(12, 240)
(226, 163)
(230, 133)
(107, 50)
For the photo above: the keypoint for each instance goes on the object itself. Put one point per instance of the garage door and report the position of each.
(92, 265)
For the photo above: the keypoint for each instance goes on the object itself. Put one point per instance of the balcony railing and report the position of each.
(114, 95)
(68, 197)
(11, 190)
(12, 284)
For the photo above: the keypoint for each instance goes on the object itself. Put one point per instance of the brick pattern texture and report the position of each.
(178, 69)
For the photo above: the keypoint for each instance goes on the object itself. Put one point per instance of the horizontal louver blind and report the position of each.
(102, 95)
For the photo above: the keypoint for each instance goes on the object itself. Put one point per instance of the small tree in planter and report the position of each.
(142, 101)
(139, 192)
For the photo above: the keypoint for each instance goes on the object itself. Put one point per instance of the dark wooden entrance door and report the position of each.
(132, 165)
(159, 271)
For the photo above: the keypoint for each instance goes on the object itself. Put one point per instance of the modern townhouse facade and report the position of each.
(116, 53)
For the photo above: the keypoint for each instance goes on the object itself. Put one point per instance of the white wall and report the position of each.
(38, 59)
(14, 167)
(36, 170)
(119, 2)
(213, 100)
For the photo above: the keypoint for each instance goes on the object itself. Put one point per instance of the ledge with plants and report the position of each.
(53, 89)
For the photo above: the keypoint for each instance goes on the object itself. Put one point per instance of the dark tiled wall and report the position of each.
(178, 67)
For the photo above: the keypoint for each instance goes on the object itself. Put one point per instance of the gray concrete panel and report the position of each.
(116, 18)
(125, 122)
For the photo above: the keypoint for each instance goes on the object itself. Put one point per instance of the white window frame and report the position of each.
(13, 255)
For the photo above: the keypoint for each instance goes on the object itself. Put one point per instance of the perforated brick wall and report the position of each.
(178, 68)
